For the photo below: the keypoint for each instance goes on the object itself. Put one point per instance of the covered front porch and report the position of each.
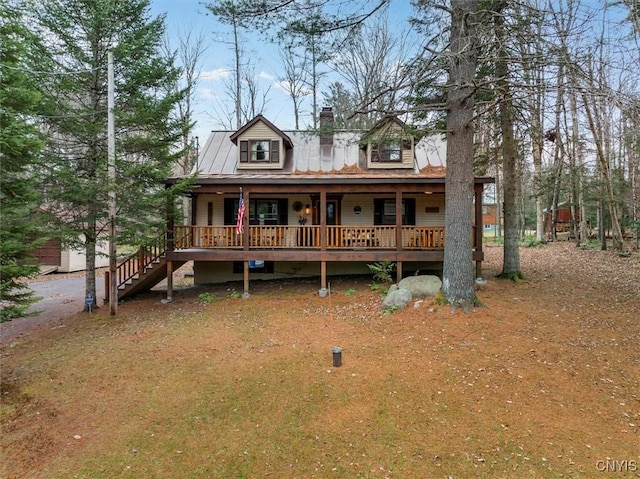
(340, 225)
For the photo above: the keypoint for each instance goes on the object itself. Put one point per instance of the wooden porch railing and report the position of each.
(423, 237)
(308, 237)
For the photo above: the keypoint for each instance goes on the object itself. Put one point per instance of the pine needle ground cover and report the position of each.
(542, 381)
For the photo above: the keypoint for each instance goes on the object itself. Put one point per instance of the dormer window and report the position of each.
(261, 145)
(389, 144)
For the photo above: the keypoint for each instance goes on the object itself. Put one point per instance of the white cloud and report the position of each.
(266, 76)
(215, 75)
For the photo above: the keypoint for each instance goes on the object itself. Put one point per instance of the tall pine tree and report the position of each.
(80, 34)
(20, 144)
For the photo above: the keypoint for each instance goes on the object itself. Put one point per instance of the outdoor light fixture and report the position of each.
(307, 210)
(357, 209)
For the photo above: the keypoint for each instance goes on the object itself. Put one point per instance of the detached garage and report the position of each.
(53, 256)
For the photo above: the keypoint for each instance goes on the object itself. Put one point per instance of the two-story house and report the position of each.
(314, 204)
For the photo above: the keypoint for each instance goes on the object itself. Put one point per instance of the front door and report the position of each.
(333, 212)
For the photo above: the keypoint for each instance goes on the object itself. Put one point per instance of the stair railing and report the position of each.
(138, 263)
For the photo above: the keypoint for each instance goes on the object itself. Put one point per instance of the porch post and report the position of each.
(194, 207)
(169, 280)
(323, 238)
(398, 271)
(245, 242)
(323, 220)
(245, 228)
(170, 223)
(399, 244)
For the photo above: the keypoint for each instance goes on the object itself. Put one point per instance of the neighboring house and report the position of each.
(54, 258)
(314, 205)
(490, 219)
(563, 220)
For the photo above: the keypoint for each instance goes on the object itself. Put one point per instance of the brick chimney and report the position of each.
(326, 126)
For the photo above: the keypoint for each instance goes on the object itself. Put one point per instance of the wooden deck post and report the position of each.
(398, 271)
(246, 278)
(323, 275)
(169, 280)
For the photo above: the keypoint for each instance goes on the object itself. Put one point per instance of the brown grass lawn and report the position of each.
(541, 382)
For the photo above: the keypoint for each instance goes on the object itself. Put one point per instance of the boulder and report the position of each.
(397, 298)
(423, 286)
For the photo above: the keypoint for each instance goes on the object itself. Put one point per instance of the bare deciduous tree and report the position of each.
(294, 78)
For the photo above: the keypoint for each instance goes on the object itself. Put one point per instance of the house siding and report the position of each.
(202, 210)
(429, 219)
(348, 216)
(76, 260)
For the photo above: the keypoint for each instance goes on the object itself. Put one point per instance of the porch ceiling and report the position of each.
(283, 184)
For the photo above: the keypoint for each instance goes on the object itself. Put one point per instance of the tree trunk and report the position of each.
(90, 257)
(616, 231)
(576, 149)
(511, 256)
(499, 202)
(537, 137)
(458, 281)
(238, 86)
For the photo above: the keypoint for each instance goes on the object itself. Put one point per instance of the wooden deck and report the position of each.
(302, 243)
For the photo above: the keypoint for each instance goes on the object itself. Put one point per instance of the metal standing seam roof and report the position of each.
(218, 158)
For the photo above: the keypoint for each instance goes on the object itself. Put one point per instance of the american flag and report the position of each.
(241, 208)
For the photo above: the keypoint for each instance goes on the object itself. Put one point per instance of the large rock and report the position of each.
(424, 286)
(397, 298)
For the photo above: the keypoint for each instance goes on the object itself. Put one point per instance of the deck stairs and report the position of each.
(143, 270)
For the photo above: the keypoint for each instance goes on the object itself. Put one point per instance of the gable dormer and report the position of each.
(261, 145)
(388, 144)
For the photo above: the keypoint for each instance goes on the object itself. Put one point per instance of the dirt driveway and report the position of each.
(62, 295)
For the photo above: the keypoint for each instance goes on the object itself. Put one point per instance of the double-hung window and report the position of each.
(387, 152)
(260, 150)
(384, 211)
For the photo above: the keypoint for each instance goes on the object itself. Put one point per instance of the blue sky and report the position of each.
(192, 15)
(182, 15)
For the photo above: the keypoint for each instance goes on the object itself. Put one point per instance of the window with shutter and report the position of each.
(244, 151)
(384, 211)
(275, 151)
(260, 153)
